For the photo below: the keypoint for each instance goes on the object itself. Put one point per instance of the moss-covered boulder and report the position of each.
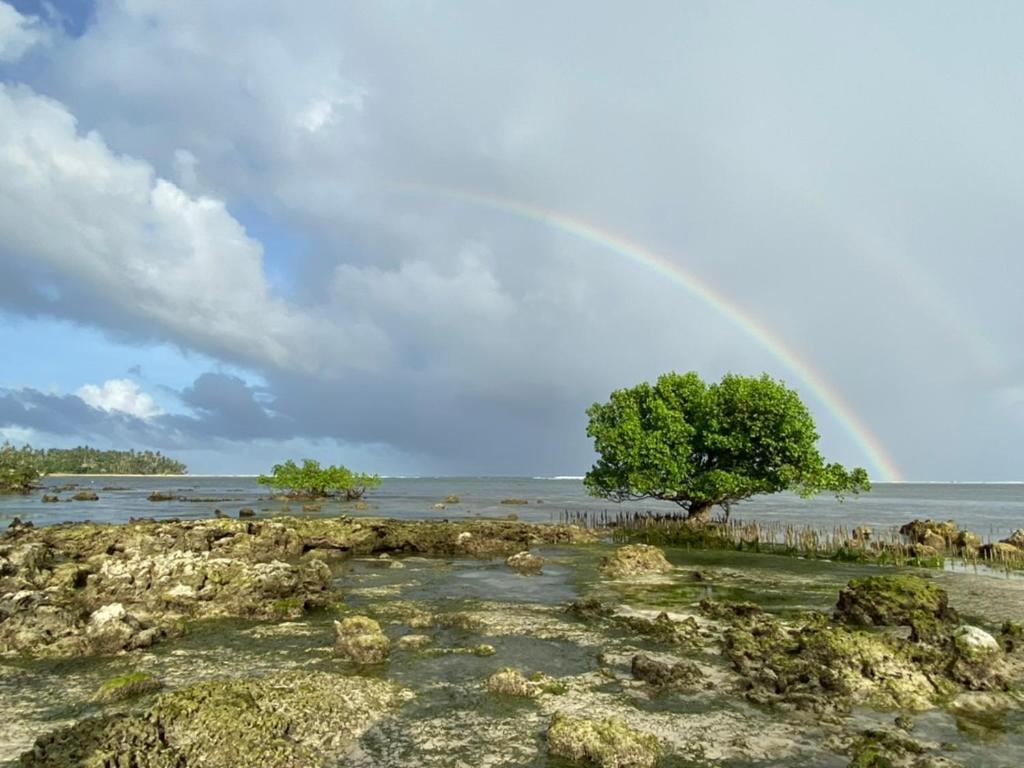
(880, 748)
(127, 686)
(635, 560)
(98, 742)
(813, 665)
(896, 600)
(730, 611)
(86, 496)
(663, 629)
(660, 674)
(290, 720)
(609, 743)
(1011, 636)
(589, 609)
(360, 639)
(512, 682)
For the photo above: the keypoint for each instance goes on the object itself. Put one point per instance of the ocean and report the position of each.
(991, 509)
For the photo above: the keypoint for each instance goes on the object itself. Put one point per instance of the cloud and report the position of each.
(63, 414)
(805, 182)
(226, 407)
(19, 33)
(108, 240)
(122, 395)
(17, 435)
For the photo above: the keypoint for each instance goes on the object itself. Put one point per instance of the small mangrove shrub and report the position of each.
(313, 481)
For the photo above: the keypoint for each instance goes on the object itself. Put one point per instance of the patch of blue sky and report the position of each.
(283, 247)
(60, 357)
(73, 16)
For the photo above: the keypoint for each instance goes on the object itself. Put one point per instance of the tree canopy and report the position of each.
(17, 473)
(315, 481)
(706, 445)
(86, 460)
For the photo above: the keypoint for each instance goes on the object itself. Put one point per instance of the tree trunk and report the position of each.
(699, 513)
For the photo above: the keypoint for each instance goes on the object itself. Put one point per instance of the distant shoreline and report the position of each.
(123, 474)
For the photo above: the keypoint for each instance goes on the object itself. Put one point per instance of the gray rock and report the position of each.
(525, 563)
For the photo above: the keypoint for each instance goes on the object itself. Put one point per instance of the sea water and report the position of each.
(992, 510)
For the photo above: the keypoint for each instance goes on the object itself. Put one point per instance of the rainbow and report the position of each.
(813, 379)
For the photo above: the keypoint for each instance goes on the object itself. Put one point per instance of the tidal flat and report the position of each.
(228, 646)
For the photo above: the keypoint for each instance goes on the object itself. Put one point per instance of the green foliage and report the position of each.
(705, 445)
(315, 481)
(17, 472)
(85, 460)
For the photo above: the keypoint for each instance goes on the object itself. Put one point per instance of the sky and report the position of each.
(423, 237)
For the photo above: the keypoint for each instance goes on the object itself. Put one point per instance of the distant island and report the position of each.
(84, 460)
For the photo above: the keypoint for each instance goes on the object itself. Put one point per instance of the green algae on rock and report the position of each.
(635, 559)
(718, 610)
(512, 682)
(663, 629)
(286, 537)
(288, 720)
(127, 686)
(820, 667)
(360, 639)
(1011, 636)
(52, 579)
(680, 675)
(884, 749)
(589, 609)
(608, 743)
(896, 600)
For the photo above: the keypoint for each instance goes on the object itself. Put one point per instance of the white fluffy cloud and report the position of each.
(107, 226)
(121, 395)
(18, 33)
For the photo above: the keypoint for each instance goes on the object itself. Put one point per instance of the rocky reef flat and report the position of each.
(295, 641)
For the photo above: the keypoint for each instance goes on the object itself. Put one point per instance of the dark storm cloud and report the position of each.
(226, 407)
(65, 415)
